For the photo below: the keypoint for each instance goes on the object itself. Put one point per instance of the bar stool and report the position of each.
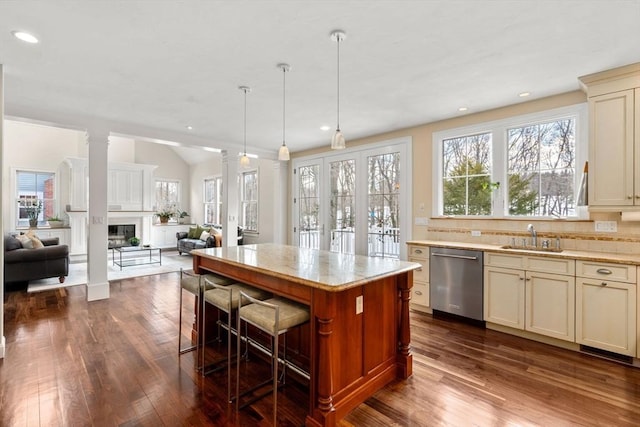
(275, 317)
(225, 299)
(192, 283)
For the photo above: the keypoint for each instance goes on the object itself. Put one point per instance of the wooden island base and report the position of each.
(353, 352)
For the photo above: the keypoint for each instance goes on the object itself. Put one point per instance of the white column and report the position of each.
(279, 194)
(2, 340)
(229, 199)
(97, 283)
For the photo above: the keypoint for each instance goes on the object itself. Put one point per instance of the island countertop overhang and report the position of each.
(313, 268)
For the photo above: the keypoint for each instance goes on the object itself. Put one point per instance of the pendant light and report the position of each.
(283, 153)
(337, 142)
(244, 160)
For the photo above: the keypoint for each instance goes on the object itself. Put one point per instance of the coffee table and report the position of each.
(128, 256)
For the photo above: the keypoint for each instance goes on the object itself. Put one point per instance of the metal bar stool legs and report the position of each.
(275, 317)
(225, 299)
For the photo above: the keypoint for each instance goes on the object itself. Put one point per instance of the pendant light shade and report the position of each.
(244, 160)
(283, 152)
(338, 142)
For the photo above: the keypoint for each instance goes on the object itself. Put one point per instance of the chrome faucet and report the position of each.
(534, 235)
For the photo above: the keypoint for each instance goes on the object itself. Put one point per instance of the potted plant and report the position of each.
(134, 241)
(33, 210)
(183, 217)
(164, 215)
(55, 222)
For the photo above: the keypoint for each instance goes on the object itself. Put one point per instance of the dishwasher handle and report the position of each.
(473, 258)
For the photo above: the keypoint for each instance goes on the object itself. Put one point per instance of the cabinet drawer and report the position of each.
(504, 260)
(551, 265)
(601, 270)
(421, 252)
(422, 273)
(420, 294)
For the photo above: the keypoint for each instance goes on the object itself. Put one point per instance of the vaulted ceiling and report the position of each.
(152, 68)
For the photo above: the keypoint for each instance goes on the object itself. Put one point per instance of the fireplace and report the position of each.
(119, 235)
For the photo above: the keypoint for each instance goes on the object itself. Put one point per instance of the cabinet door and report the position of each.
(420, 291)
(606, 315)
(611, 151)
(550, 305)
(504, 296)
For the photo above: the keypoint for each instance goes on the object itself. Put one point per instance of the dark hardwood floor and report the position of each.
(115, 363)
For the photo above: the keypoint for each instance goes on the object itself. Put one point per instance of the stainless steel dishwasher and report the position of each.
(456, 282)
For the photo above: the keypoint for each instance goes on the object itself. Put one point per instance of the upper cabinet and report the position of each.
(614, 138)
(130, 186)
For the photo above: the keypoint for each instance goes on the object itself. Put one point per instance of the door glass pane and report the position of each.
(309, 207)
(383, 207)
(343, 206)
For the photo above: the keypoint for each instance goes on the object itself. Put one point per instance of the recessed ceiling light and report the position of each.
(213, 150)
(25, 37)
(524, 94)
(189, 127)
(325, 128)
(462, 109)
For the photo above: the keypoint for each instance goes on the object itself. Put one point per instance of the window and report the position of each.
(213, 200)
(168, 196)
(35, 197)
(249, 200)
(534, 155)
(384, 205)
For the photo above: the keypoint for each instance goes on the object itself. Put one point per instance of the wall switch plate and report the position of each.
(359, 304)
(476, 233)
(421, 220)
(606, 226)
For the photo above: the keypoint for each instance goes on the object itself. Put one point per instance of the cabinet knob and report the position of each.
(603, 284)
(521, 278)
(418, 269)
(603, 271)
(418, 251)
(637, 196)
(629, 197)
(418, 292)
(528, 279)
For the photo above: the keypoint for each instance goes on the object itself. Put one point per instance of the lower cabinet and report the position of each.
(530, 300)
(420, 290)
(61, 233)
(606, 315)
(164, 236)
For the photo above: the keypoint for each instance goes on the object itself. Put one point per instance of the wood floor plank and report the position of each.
(115, 363)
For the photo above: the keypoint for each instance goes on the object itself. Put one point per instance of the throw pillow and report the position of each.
(205, 235)
(192, 233)
(11, 243)
(200, 230)
(35, 240)
(26, 242)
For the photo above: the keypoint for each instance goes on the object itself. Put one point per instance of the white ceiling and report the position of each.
(150, 68)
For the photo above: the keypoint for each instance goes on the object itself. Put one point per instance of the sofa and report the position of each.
(193, 239)
(22, 264)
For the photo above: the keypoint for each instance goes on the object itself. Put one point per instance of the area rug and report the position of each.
(171, 262)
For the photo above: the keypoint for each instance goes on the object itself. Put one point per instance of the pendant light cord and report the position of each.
(338, 100)
(245, 121)
(284, 83)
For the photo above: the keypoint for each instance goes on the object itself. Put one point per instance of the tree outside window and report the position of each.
(467, 175)
(249, 200)
(213, 200)
(168, 197)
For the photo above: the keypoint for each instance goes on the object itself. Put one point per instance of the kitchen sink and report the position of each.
(530, 248)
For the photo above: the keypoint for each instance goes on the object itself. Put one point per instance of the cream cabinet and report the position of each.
(606, 307)
(530, 293)
(164, 236)
(614, 138)
(63, 234)
(420, 290)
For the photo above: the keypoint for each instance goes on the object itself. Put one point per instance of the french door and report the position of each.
(355, 201)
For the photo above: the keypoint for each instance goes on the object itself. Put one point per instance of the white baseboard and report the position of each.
(97, 291)
(2, 347)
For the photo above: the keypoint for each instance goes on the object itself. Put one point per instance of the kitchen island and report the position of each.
(359, 331)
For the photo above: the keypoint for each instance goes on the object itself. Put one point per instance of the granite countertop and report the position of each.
(326, 270)
(633, 259)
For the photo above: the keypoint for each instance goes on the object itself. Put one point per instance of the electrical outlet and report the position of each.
(359, 304)
(476, 233)
(421, 221)
(606, 226)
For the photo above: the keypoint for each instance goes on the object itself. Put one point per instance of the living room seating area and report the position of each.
(28, 258)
